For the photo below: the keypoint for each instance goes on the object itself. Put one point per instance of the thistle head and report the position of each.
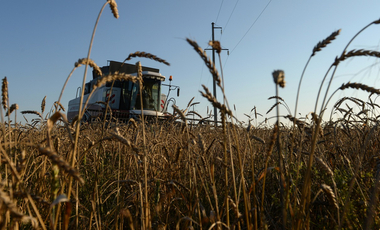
(279, 78)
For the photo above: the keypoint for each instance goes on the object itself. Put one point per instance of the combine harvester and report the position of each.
(124, 97)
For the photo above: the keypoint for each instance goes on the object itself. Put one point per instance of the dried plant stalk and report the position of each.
(272, 141)
(24, 195)
(62, 164)
(7, 203)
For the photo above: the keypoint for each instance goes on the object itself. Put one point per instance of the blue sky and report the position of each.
(41, 41)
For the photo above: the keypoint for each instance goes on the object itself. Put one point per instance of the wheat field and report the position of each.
(173, 174)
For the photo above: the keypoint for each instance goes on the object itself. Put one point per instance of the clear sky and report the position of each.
(41, 40)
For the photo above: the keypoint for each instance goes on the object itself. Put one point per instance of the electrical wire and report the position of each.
(225, 62)
(219, 11)
(254, 22)
(231, 14)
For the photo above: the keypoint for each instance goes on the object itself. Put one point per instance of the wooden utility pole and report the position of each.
(213, 61)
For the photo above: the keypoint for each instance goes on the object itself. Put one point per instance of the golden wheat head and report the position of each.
(356, 53)
(359, 86)
(113, 7)
(210, 65)
(146, 55)
(325, 42)
(91, 63)
(4, 90)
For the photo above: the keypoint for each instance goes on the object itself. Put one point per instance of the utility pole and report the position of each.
(213, 60)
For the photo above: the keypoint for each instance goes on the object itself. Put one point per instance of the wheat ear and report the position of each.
(356, 53)
(115, 76)
(210, 65)
(62, 164)
(325, 168)
(15, 213)
(359, 86)
(32, 112)
(325, 42)
(11, 109)
(330, 195)
(4, 90)
(91, 63)
(43, 104)
(146, 55)
(214, 102)
(114, 10)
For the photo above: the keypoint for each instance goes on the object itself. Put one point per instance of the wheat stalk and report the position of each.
(91, 63)
(355, 53)
(19, 194)
(62, 164)
(113, 7)
(181, 114)
(214, 102)
(58, 104)
(325, 42)
(325, 168)
(32, 112)
(359, 86)
(43, 103)
(125, 141)
(146, 55)
(258, 139)
(15, 213)
(210, 65)
(11, 109)
(115, 77)
(273, 106)
(330, 195)
(299, 123)
(4, 90)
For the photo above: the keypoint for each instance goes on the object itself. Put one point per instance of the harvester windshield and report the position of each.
(151, 93)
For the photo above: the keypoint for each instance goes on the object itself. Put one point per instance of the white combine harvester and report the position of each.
(124, 97)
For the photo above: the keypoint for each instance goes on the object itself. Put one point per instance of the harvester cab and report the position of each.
(124, 96)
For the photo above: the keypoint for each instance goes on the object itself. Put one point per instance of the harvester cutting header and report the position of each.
(124, 96)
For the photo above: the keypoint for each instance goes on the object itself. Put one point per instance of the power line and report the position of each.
(231, 14)
(251, 25)
(219, 11)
